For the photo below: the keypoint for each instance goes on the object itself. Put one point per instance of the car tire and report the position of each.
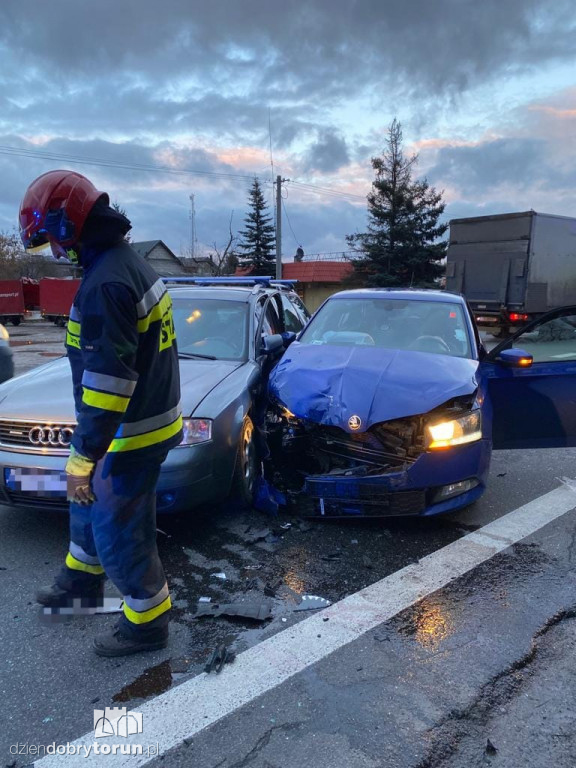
(16, 320)
(247, 467)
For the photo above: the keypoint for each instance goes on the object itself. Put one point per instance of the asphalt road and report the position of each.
(50, 681)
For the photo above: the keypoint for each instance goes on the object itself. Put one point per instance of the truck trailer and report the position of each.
(512, 267)
(56, 297)
(12, 306)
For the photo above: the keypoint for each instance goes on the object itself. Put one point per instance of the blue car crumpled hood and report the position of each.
(329, 384)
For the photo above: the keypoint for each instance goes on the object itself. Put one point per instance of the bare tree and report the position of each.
(223, 261)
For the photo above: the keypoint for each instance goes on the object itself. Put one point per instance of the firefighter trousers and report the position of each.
(115, 536)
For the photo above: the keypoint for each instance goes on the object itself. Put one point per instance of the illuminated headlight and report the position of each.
(196, 431)
(466, 429)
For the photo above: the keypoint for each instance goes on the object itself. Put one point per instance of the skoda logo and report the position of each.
(354, 422)
(51, 437)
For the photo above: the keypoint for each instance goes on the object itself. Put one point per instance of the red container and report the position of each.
(56, 297)
(31, 290)
(11, 301)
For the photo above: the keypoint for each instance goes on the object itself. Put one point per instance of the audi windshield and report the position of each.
(211, 328)
(418, 326)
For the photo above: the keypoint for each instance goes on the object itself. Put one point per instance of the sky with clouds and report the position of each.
(485, 92)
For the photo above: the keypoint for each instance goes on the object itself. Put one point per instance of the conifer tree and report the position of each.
(256, 246)
(403, 246)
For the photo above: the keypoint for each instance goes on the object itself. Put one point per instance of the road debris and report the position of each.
(336, 555)
(366, 562)
(271, 589)
(255, 610)
(219, 575)
(259, 535)
(312, 603)
(490, 748)
(204, 599)
(220, 656)
(568, 482)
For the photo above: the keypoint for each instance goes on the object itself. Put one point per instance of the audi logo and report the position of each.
(51, 437)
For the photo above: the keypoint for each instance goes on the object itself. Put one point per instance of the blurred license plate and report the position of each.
(482, 319)
(36, 482)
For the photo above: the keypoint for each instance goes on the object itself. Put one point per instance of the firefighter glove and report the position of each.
(79, 471)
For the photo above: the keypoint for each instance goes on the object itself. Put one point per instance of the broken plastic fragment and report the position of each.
(312, 602)
(267, 498)
(490, 748)
(221, 575)
(220, 656)
(257, 611)
(258, 535)
(336, 555)
(204, 599)
(568, 482)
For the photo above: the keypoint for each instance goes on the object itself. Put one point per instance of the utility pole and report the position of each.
(279, 181)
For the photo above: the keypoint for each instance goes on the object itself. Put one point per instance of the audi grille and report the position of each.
(35, 436)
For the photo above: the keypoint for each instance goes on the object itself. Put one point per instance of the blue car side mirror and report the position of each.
(288, 337)
(271, 343)
(515, 358)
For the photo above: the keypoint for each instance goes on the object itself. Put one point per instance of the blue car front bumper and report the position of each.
(415, 491)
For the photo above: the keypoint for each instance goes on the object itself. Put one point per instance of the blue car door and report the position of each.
(534, 406)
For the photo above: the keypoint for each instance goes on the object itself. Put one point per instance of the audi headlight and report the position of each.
(466, 429)
(196, 431)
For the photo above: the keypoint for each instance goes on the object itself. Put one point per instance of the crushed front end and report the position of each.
(386, 470)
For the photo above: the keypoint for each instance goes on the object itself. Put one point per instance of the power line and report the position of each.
(324, 190)
(100, 162)
(5, 150)
(290, 223)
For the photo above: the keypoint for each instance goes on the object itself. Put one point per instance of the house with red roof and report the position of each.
(317, 280)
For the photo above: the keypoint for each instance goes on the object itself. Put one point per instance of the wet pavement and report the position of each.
(34, 343)
(487, 657)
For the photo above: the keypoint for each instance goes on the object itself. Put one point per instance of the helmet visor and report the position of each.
(36, 230)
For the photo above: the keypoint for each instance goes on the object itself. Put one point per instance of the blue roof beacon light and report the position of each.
(259, 280)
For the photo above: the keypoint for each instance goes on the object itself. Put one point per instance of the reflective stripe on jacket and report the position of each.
(122, 350)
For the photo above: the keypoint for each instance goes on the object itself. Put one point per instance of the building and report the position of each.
(317, 280)
(199, 265)
(160, 258)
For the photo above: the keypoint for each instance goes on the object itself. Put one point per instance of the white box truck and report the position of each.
(512, 267)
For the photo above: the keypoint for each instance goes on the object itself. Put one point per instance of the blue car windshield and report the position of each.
(436, 327)
(212, 328)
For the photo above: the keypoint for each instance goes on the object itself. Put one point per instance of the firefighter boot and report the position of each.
(91, 595)
(116, 643)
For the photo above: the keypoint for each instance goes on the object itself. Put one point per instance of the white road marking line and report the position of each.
(184, 711)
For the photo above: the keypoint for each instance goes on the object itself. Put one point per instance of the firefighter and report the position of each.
(122, 351)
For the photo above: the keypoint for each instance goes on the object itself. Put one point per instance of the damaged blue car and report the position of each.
(387, 403)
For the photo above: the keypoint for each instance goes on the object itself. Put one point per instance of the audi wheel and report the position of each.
(247, 469)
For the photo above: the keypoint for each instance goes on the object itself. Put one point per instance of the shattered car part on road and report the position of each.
(257, 611)
(220, 656)
(312, 603)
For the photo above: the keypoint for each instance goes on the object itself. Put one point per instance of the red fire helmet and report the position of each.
(55, 208)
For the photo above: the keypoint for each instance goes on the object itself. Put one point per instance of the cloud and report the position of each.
(473, 169)
(327, 154)
(192, 85)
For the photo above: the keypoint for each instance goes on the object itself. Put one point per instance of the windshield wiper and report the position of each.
(192, 355)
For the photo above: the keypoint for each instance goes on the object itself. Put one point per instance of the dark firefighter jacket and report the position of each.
(122, 350)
